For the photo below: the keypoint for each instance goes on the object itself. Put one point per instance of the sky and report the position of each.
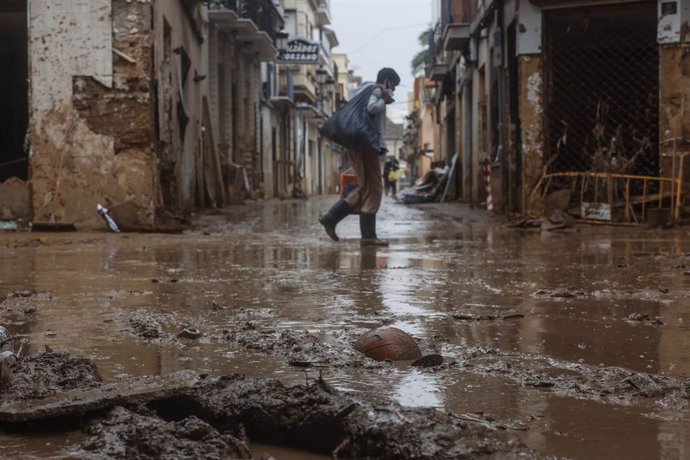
(382, 33)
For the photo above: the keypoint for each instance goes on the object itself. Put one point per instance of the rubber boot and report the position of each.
(367, 225)
(338, 212)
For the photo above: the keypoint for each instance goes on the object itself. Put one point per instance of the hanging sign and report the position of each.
(299, 51)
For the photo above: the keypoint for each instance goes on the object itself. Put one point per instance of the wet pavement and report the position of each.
(576, 341)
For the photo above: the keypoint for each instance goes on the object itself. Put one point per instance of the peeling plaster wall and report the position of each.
(182, 160)
(91, 114)
(531, 94)
(674, 116)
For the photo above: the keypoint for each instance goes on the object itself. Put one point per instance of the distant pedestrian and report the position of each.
(387, 166)
(366, 198)
(386, 171)
(393, 178)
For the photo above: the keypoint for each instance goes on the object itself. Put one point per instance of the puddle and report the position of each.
(269, 267)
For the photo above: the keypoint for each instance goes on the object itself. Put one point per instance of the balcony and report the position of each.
(253, 22)
(438, 71)
(304, 88)
(436, 68)
(456, 37)
(323, 13)
(456, 17)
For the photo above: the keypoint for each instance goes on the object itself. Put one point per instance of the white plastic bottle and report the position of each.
(108, 218)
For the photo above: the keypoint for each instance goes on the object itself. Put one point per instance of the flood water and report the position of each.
(269, 267)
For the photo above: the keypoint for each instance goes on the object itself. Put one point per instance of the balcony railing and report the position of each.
(431, 54)
(265, 14)
(458, 11)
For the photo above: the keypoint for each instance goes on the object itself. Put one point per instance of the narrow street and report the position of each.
(574, 342)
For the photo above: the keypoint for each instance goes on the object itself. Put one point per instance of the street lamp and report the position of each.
(282, 40)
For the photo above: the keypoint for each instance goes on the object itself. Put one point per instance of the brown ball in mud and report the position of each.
(388, 343)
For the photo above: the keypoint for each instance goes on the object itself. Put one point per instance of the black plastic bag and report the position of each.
(353, 127)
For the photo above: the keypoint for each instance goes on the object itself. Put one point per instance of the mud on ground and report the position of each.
(47, 374)
(219, 418)
(563, 340)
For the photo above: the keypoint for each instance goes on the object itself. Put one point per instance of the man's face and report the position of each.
(390, 86)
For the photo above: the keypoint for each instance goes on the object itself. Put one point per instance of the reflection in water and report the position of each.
(418, 390)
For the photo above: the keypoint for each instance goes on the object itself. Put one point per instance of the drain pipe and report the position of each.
(502, 156)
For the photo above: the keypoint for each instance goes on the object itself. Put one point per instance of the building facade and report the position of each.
(314, 95)
(160, 106)
(564, 95)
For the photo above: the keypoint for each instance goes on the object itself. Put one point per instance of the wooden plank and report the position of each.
(642, 199)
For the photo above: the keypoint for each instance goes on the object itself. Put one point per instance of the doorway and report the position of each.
(602, 89)
(14, 90)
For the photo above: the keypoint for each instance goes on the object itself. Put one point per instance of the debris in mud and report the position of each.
(388, 343)
(214, 418)
(298, 347)
(149, 326)
(315, 418)
(557, 220)
(125, 434)
(526, 223)
(254, 313)
(485, 314)
(308, 364)
(428, 361)
(305, 350)
(25, 301)
(190, 333)
(8, 360)
(617, 385)
(561, 293)
(4, 335)
(641, 317)
(488, 422)
(45, 374)
(77, 403)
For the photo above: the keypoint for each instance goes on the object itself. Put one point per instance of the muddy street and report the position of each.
(573, 343)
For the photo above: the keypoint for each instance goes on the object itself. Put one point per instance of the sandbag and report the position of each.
(353, 127)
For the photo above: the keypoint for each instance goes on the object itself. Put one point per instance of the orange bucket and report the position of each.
(346, 181)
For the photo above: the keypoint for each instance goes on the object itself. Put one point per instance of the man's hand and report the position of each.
(387, 95)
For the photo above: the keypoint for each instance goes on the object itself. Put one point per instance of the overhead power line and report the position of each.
(382, 31)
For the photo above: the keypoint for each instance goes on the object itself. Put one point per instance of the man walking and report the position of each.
(366, 198)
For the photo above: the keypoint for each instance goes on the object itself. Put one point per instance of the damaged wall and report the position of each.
(91, 116)
(531, 103)
(181, 70)
(674, 122)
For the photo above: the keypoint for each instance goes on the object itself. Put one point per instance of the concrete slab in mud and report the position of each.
(79, 403)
